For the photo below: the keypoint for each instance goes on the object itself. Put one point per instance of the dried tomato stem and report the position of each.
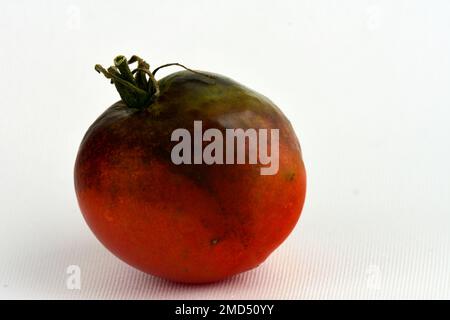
(137, 88)
(180, 65)
(133, 86)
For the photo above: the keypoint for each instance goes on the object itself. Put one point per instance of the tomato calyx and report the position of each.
(138, 88)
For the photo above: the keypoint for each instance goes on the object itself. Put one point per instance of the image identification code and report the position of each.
(225, 309)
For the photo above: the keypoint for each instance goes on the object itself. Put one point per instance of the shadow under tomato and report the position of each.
(43, 271)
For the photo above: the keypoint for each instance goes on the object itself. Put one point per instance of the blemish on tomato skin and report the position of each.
(290, 176)
(213, 242)
(178, 211)
(185, 254)
(108, 216)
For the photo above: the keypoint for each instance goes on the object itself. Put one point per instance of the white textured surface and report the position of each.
(365, 84)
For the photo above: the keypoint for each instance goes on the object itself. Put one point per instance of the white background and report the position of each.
(366, 85)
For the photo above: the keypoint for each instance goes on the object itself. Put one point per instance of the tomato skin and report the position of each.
(187, 223)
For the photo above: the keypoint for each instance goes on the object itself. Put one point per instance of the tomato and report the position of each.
(187, 222)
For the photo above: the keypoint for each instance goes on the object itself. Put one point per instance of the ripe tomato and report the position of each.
(191, 223)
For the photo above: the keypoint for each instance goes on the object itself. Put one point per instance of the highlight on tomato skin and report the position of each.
(189, 221)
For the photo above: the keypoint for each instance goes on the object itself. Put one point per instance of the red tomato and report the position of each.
(191, 223)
